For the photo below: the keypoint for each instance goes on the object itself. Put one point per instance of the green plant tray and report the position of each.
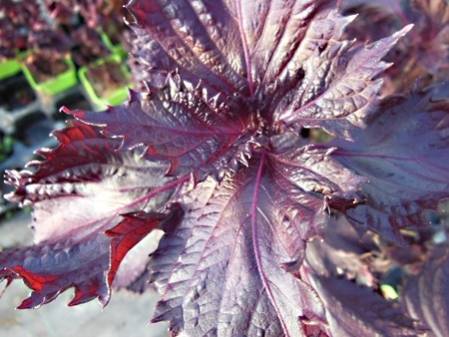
(9, 68)
(116, 49)
(116, 97)
(6, 147)
(55, 85)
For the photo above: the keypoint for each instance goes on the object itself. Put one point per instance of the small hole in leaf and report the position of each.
(305, 133)
(322, 47)
(300, 74)
(315, 135)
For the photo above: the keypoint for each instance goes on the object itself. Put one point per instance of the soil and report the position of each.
(88, 48)
(44, 67)
(83, 55)
(106, 78)
(16, 93)
(113, 32)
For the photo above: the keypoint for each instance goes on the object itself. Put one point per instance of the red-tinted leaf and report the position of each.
(226, 268)
(127, 234)
(80, 190)
(49, 269)
(404, 155)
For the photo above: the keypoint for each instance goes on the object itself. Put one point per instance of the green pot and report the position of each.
(9, 67)
(6, 147)
(116, 97)
(57, 84)
(116, 49)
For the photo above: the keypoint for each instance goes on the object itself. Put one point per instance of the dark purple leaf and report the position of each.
(288, 56)
(403, 154)
(356, 311)
(343, 253)
(354, 308)
(425, 295)
(213, 135)
(340, 86)
(432, 19)
(423, 55)
(177, 126)
(200, 40)
(226, 268)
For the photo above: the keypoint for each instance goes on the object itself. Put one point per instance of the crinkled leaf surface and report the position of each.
(226, 87)
(287, 57)
(79, 190)
(229, 267)
(177, 127)
(403, 154)
(340, 87)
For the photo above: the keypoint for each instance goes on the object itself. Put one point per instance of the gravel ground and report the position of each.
(127, 315)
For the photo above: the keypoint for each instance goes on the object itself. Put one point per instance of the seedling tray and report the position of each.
(115, 97)
(16, 93)
(8, 68)
(116, 49)
(55, 85)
